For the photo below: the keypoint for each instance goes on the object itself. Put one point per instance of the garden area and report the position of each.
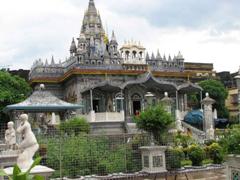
(72, 152)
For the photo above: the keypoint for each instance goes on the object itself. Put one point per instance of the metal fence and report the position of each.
(74, 155)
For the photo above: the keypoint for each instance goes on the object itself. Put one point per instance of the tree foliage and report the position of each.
(219, 93)
(75, 126)
(13, 89)
(154, 119)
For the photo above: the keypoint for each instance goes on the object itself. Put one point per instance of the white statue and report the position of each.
(28, 146)
(210, 133)
(10, 136)
(179, 125)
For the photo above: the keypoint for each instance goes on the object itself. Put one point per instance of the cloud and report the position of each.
(204, 31)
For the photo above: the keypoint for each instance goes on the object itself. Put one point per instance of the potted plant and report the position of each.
(19, 175)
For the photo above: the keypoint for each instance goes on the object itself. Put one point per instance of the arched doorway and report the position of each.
(136, 103)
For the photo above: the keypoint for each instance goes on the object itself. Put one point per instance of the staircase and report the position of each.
(197, 134)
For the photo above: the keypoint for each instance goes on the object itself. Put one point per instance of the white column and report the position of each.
(91, 99)
(92, 113)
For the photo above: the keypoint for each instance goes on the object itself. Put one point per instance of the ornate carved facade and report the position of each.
(105, 78)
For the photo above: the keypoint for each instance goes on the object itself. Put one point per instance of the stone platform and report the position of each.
(44, 171)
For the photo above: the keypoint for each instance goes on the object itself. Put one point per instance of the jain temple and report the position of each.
(113, 82)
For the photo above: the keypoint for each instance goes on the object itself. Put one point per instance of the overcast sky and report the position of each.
(206, 31)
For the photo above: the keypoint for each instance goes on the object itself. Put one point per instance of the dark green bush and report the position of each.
(215, 152)
(196, 155)
(154, 119)
(174, 156)
(83, 155)
(75, 126)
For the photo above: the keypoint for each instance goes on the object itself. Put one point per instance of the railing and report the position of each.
(104, 117)
(197, 134)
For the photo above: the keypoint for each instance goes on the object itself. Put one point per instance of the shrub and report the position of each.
(215, 152)
(184, 140)
(154, 119)
(75, 126)
(231, 140)
(196, 155)
(174, 156)
(84, 155)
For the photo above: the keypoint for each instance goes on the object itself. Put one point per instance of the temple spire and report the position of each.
(91, 7)
(113, 38)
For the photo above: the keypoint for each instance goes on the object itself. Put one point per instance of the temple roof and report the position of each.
(189, 87)
(42, 100)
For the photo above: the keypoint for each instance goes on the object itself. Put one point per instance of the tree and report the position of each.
(13, 89)
(154, 119)
(219, 93)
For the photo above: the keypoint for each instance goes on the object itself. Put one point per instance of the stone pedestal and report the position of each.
(153, 159)
(7, 160)
(233, 167)
(44, 171)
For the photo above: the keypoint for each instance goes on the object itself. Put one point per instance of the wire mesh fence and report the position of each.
(77, 155)
(73, 154)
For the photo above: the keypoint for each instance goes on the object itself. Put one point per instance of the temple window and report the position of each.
(134, 54)
(127, 54)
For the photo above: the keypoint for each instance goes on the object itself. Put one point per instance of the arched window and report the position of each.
(127, 54)
(134, 54)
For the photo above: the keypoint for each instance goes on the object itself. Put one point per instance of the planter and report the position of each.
(233, 166)
(153, 159)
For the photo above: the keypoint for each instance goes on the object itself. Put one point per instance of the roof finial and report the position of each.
(113, 38)
(52, 62)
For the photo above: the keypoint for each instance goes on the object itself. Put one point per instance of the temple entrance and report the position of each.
(136, 107)
(136, 104)
(96, 103)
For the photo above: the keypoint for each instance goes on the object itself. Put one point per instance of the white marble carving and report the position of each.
(28, 145)
(10, 136)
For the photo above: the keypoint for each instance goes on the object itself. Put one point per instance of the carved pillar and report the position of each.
(91, 99)
(185, 102)
(178, 123)
(122, 108)
(92, 113)
(207, 103)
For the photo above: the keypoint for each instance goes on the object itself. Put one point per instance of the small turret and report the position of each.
(73, 47)
(113, 45)
(169, 58)
(164, 58)
(158, 57)
(147, 57)
(152, 57)
(46, 62)
(179, 56)
(82, 44)
(52, 61)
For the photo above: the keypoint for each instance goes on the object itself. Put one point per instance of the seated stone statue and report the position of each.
(10, 136)
(28, 145)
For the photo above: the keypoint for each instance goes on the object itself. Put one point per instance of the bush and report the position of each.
(184, 140)
(215, 152)
(83, 155)
(75, 126)
(174, 156)
(196, 155)
(154, 119)
(231, 140)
